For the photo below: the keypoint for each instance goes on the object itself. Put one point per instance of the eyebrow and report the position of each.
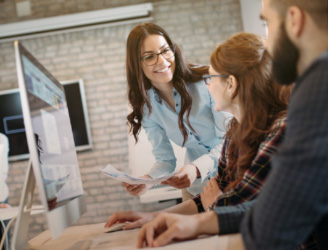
(151, 52)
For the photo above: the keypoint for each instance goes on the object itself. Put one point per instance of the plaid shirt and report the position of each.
(251, 184)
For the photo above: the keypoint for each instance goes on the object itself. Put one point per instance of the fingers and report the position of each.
(165, 237)
(148, 231)
(141, 237)
(179, 185)
(132, 225)
(178, 176)
(178, 181)
(214, 182)
(204, 189)
(135, 190)
(129, 187)
(121, 217)
(150, 235)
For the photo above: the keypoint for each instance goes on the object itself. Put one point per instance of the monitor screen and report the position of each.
(51, 145)
(52, 131)
(12, 122)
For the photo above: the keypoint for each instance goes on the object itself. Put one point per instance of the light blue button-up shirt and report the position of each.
(202, 148)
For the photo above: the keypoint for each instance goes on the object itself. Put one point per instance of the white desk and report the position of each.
(93, 237)
(161, 194)
(9, 213)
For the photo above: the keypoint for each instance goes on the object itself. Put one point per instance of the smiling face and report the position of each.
(162, 71)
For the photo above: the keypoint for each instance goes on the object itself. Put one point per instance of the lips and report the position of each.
(163, 70)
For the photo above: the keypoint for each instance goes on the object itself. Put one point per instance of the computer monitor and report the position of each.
(53, 160)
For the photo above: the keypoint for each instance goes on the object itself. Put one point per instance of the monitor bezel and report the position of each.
(65, 215)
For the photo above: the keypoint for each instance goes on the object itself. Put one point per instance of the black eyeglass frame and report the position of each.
(207, 78)
(171, 47)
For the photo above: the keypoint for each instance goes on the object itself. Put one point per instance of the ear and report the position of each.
(294, 24)
(232, 86)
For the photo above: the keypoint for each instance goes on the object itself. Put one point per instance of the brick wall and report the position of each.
(49, 8)
(98, 57)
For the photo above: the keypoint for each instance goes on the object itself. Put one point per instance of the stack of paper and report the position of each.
(113, 173)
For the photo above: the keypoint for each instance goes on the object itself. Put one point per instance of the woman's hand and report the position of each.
(210, 193)
(138, 189)
(137, 219)
(184, 178)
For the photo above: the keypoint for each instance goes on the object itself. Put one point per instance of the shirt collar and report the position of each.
(158, 98)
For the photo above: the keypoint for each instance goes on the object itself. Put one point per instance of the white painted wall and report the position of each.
(250, 11)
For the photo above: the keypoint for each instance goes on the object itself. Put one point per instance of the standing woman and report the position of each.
(170, 102)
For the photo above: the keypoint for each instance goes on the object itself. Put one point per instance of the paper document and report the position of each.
(113, 173)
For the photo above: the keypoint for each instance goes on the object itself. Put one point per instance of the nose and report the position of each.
(161, 59)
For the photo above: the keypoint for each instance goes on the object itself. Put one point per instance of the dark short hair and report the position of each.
(317, 9)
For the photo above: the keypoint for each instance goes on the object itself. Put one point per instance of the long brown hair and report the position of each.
(262, 101)
(138, 83)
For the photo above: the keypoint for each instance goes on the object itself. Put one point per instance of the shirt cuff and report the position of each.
(230, 217)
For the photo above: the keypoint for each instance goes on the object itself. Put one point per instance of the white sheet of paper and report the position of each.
(113, 173)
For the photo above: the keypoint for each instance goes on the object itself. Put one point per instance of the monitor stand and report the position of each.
(20, 237)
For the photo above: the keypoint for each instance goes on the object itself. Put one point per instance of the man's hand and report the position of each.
(137, 219)
(184, 178)
(167, 227)
(138, 189)
(210, 193)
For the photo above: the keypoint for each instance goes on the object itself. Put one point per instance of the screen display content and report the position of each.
(53, 135)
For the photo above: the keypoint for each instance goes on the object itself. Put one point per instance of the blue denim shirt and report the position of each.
(202, 148)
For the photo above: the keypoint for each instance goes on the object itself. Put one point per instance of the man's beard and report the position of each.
(284, 59)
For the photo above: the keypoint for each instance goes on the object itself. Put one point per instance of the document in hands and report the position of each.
(113, 173)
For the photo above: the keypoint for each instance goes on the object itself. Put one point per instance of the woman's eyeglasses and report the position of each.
(207, 78)
(152, 58)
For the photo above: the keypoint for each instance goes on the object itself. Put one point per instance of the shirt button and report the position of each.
(190, 133)
(175, 93)
(176, 105)
(209, 150)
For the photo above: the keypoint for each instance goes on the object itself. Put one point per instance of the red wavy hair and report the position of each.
(262, 100)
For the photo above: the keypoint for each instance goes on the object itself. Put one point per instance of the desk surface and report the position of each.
(93, 237)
